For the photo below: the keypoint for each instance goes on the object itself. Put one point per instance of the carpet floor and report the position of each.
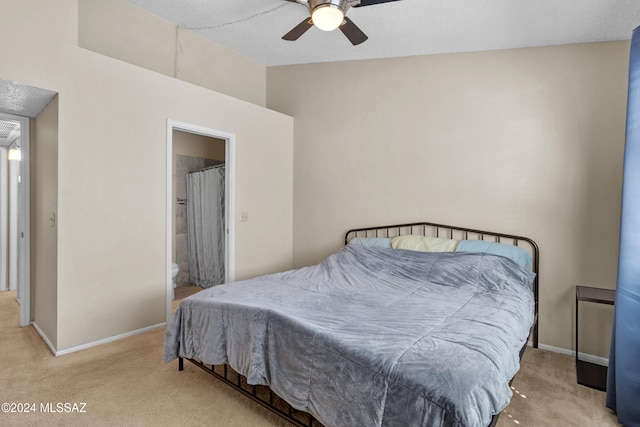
(126, 383)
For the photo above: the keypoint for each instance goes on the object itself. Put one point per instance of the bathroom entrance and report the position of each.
(201, 206)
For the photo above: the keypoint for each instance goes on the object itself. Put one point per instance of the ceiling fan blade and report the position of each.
(298, 30)
(353, 33)
(372, 2)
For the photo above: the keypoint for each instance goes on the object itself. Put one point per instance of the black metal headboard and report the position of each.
(459, 233)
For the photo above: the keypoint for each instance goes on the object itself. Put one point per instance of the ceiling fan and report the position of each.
(328, 15)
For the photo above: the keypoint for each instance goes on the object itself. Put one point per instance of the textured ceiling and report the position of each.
(23, 100)
(9, 132)
(403, 28)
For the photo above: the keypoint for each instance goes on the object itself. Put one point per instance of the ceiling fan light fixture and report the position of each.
(327, 17)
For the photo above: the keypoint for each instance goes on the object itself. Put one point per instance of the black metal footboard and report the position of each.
(262, 395)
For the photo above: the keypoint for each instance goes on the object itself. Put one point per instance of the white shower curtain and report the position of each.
(206, 226)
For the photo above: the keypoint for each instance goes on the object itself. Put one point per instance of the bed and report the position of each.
(407, 325)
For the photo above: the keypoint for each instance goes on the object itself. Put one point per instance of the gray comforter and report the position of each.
(371, 336)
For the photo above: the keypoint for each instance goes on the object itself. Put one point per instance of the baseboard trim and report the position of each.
(44, 337)
(583, 356)
(107, 340)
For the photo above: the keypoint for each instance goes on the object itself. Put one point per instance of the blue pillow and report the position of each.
(519, 255)
(381, 242)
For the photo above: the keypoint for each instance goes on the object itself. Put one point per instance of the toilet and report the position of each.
(174, 274)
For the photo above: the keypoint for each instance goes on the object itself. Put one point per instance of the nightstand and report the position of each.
(591, 374)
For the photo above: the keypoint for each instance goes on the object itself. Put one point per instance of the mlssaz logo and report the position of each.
(65, 407)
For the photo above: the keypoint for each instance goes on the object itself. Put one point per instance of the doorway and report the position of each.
(14, 211)
(192, 148)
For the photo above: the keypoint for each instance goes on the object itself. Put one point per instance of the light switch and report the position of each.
(244, 217)
(52, 219)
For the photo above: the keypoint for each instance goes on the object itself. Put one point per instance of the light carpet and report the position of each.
(126, 383)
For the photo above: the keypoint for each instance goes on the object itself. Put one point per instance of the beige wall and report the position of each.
(112, 172)
(123, 31)
(44, 215)
(526, 141)
(194, 145)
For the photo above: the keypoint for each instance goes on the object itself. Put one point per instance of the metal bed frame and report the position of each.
(460, 233)
(263, 394)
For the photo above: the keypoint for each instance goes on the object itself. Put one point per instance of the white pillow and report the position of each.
(424, 243)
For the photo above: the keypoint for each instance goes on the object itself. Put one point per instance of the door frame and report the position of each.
(4, 220)
(24, 221)
(230, 159)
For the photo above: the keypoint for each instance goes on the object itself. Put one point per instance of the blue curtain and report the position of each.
(623, 382)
